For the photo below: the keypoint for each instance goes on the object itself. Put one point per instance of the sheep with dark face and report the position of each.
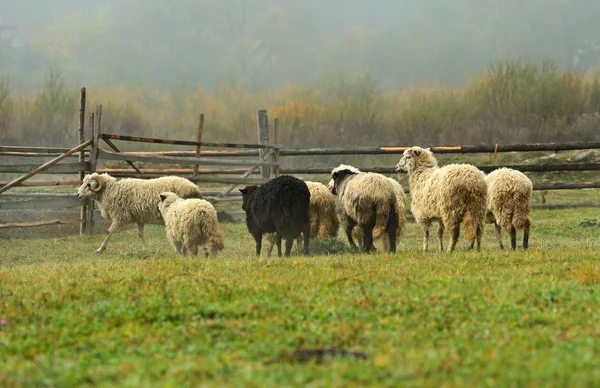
(281, 206)
(324, 222)
(368, 201)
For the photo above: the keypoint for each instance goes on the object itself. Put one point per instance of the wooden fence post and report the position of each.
(262, 121)
(199, 139)
(89, 218)
(83, 209)
(276, 140)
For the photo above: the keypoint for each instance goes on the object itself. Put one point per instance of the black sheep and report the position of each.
(280, 205)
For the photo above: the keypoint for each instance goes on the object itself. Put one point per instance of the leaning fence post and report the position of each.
(262, 121)
(276, 140)
(83, 209)
(200, 130)
(93, 161)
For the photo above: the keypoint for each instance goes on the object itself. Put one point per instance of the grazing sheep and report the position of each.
(324, 223)
(378, 233)
(279, 206)
(129, 201)
(368, 200)
(508, 205)
(445, 195)
(190, 223)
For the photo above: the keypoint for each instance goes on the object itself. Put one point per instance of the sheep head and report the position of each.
(92, 185)
(415, 158)
(246, 194)
(339, 175)
(166, 199)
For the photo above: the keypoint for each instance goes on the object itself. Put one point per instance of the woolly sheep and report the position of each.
(444, 195)
(129, 201)
(190, 223)
(378, 233)
(508, 205)
(279, 206)
(324, 223)
(368, 200)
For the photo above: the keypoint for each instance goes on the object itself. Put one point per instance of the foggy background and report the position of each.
(336, 72)
(266, 44)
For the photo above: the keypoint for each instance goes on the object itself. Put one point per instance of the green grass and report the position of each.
(131, 317)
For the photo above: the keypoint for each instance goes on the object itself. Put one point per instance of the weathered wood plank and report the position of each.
(45, 184)
(44, 166)
(523, 168)
(172, 160)
(34, 154)
(172, 171)
(553, 206)
(129, 162)
(40, 223)
(37, 150)
(185, 142)
(63, 168)
(208, 179)
(59, 203)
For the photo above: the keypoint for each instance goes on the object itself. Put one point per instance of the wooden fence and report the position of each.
(231, 164)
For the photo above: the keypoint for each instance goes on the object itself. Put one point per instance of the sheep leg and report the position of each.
(141, 234)
(179, 248)
(441, 236)
(289, 243)
(478, 235)
(368, 236)
(113, 228)
(278, 238)
(425, 227)
(499, 235)
(349, 227)
(306, 233)
(258, 239)
(392, 228)
(270, 246)
(454, 231)
(513, 238)
(193, 249)
(472, 244)
(526, 236)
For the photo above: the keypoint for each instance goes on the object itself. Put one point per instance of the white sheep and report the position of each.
(324, 223)
(132, 201)
(508, 205)
(378, 233)
(368, 200)
(445, 195)
(190, 223)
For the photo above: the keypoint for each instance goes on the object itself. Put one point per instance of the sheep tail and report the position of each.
(216, 242)
(382, 215)
(469, 226)
(521, 215)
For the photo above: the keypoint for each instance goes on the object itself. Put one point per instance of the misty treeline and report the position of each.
(509, 103)
(336, 72)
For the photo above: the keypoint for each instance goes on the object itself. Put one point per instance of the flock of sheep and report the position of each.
(372, 206)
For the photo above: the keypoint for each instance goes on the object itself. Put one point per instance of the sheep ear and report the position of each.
(335, 174)
(162, 197)
(243, 191)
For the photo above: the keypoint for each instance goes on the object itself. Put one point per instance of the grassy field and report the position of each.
(130, 317)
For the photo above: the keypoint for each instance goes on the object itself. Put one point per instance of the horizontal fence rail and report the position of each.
(59, 203)
(173, 160)
(106, 136)
(524, 168)
(45, 166)
(61, 168)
